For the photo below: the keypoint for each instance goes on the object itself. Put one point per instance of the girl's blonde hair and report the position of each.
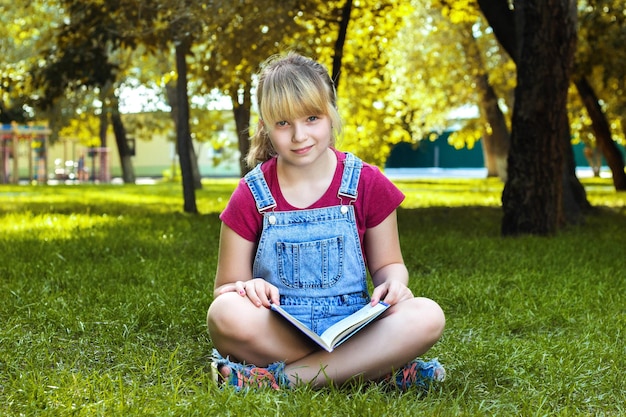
(291, 86)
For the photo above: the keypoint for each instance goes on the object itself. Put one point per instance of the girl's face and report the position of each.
(303, 140)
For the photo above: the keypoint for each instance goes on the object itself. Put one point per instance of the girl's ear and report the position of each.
(262, 126)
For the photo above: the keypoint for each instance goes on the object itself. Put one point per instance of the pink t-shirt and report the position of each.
(377, 198)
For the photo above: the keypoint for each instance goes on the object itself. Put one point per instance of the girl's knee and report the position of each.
(232, 317)
(220, 317)
(430, 315)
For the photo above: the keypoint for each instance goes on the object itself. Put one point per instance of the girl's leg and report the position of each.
(408, 330)
(252, 334)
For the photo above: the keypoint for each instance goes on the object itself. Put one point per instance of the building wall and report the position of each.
(435, 154)
(440, 154)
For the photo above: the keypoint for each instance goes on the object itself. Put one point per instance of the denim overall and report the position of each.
(313, 256)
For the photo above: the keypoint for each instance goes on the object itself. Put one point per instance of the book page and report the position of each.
(301, 326)
(351, 324)
(340, 331)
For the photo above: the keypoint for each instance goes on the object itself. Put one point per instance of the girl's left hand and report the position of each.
(259, 291)
(391, 292)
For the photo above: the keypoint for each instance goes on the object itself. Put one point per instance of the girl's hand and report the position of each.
(259, 291)
(391, 292)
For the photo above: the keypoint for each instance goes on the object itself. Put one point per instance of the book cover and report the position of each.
(340, 331)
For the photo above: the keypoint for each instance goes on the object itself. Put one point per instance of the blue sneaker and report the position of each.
(419, 374)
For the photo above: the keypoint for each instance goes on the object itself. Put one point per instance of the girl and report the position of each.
(299, 231)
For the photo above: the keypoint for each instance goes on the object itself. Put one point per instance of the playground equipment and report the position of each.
(30, 143)
(13, 137)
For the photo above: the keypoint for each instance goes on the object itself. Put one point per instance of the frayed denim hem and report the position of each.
(243, 376)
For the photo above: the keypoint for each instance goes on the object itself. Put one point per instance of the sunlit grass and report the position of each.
(104, 291)
(451, 193)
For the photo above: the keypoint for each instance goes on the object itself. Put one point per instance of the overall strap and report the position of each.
(260, 190)
(350, 178)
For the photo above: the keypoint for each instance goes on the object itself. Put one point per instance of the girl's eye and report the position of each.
(312, 118)
(282, 123)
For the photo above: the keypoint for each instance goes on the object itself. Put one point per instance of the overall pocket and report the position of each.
(315, 264)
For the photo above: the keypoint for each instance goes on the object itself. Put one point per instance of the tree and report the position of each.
(342, 33)
(602, 132)
(458, 64)
(495, 138)
(573, 201)
(8, 52)
(600, 73)
(318, 29)
(180, 22)
(23, 30)
(183, 132)
(367, 79)
(532, 196)
(229, 57)
(474, 39)
(88, 53)
(160, 24)
(593, 36)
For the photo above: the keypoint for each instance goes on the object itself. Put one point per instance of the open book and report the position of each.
(340, 331)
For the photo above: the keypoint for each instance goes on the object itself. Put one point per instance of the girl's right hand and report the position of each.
(259, 291)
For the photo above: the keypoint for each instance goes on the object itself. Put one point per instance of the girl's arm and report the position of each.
(234, 270)
(385, 263)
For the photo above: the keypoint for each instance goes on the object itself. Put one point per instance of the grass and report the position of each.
(104, 292)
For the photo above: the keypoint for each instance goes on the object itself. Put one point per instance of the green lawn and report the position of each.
(104, 292)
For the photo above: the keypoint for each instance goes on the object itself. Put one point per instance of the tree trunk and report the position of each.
(4, 161)
(128, 172)
(532, 197)
(601, 128)
(488, 156)
(171, 91)
(575, 203)
(104, 127)
(195, 169)
(346, 11)
(183, 133)
(496, 138)
(501, 18)
(241, 111)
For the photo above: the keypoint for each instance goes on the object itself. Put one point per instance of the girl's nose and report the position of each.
(299, 133)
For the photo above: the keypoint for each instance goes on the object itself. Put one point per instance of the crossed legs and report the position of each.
(258, 336)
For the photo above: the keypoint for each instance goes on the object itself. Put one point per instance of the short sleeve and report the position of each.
(380, 196)
(241, 213)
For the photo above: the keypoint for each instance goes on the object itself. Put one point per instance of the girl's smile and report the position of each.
(302, 151)
(302, 140)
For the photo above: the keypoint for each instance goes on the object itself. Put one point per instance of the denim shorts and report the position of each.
(319, 313)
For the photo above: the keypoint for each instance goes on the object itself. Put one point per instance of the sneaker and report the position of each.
(419, 374)
(245, 377)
